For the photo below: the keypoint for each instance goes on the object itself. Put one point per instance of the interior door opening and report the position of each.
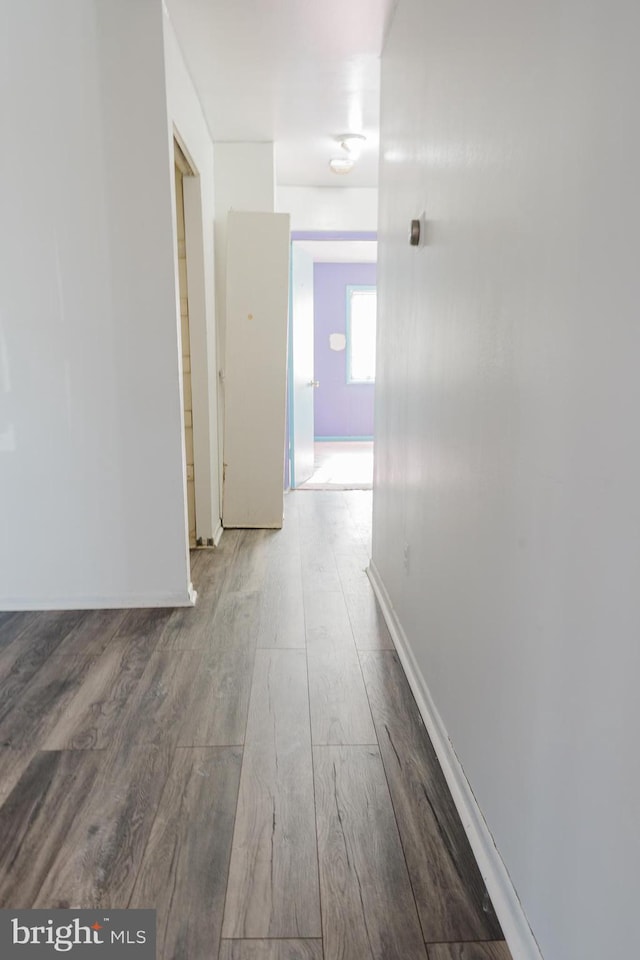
(332, 361)
(183, 169)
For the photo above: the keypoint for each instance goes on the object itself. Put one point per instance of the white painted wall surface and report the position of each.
(329, 208)
(187, 121)
(245, 181)
(507, 458)
(91, 472)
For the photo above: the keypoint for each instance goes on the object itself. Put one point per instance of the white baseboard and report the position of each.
(217, 537)
(509, 910)
(101, 603)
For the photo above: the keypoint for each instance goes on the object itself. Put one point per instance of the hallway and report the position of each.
(254, 768)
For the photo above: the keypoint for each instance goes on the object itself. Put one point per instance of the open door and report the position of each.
(255, 371)
(302, 382)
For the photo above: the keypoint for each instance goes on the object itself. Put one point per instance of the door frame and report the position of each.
(297, 236)
(207, 522)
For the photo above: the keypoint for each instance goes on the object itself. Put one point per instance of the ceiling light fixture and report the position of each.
(352, 143)
(341, 164)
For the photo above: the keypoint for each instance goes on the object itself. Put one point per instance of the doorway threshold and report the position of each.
(341, 465)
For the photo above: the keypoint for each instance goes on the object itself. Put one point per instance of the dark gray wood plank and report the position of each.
(160, 702)
(208, 563)
(191, 628)
(339, 706)
(99, 854)
(94, 714)
(43, 701)
(496, 950)
(368, 910)
(271, 950)
(13, 624)
(273, 877)
(35, 819)
(198, 698)
(144, 627)
(23, 656)
(93, 633)
(219, 694)
(338, 700)
(219, 699)
(13, 764)
(369, 628)
(281, 610)
(451, 896)
(184, 870)
(248, 570)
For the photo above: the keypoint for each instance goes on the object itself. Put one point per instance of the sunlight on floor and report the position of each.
(342, 465)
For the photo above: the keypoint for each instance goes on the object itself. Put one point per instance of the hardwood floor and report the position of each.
(273, 876)
(470, 951)
(368, 908)
(181, 875)
(449, 890)
(254, 768)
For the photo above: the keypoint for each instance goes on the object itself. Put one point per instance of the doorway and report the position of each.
(182, 170)
(332, 361)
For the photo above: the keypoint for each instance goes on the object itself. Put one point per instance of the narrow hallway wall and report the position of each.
(506, 509)
(92, 507)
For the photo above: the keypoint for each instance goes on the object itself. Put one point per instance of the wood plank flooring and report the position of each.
(470, 951)
(363, 874)
(254, 768)
(273, 877)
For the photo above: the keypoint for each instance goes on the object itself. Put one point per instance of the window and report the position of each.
(361, 334)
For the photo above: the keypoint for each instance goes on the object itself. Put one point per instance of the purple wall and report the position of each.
(341, 409)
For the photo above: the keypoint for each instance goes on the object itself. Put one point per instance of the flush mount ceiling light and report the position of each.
(341, 164)
(352, 143)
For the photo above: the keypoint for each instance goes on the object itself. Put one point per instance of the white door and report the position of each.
(301, 426)
(255, 369)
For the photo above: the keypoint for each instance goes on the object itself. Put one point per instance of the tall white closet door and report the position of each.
(255, 369)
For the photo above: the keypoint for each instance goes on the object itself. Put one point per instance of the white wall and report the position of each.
(507, 457)
(92, 506)
(245, 181)
(329, 208)
(187, 122)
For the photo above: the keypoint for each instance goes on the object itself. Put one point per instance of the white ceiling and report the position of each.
(298, 72)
